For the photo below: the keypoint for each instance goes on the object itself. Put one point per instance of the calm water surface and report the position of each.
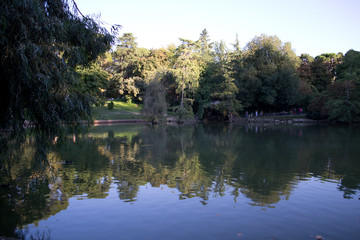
(188, 182)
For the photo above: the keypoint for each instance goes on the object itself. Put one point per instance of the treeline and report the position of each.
(205, 79)
(52, 74)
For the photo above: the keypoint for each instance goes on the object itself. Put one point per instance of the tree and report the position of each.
(321, 76)
(267, 78)
(125, 69)
(154, 100)
(323, 70)
(205, 45)
(187, 70)
(42, 43)
(341, 99)
(307, 91)
(344, 94)
(227, 103)
(222, 85)
(93, 81)
(304, 70)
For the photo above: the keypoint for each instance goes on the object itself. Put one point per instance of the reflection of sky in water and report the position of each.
(315, 207)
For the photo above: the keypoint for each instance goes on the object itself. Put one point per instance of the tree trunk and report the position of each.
(182, 94)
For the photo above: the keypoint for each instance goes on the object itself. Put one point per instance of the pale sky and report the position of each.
(312, 26)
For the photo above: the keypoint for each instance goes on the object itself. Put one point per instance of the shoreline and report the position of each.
(259, 120)
(119, 121)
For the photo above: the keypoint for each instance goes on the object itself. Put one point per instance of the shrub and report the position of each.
(111, 105)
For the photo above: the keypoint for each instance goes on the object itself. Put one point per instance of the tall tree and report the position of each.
(93, 81)
(321, 76)
(187, 69)
(42, 42)
(205, 44)
(268, 79)
(344, 94)
(323, 70)
(306, 90)
(225, 90)
(154, 100)
(126, 73)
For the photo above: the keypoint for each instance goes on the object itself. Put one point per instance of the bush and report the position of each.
(318, 109)
(111, 105)
(344, 111)
(184, 113)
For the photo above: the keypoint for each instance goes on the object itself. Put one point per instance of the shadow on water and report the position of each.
(261, 163)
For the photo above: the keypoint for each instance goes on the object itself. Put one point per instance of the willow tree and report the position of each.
(154, 100)
(42, 42)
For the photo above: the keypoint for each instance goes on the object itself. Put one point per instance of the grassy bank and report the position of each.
(130, 111)
(122, 110)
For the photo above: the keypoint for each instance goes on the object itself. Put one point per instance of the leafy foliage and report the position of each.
(344, 111)
(154, 100)
(268, 77)
(187, 68)
(93, 81)
(344, 95)
(42, 42)
(341, 99)
(318, 109)
(127, 74)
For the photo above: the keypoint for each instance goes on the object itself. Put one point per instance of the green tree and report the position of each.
(222, 85)
(341, 99)
(187, 70)
(227, 103)
(307, 91)
(205, 46)
(321, 76)
(42, 43)
(304, 70)
(125, 70)
(344, 94)
(93, 81)
(323, 70)
(206, 57)
(268, 79)
(154, 100)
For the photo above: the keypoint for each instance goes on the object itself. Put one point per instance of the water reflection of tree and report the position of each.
(189, 178)
(25, 196)
(85, 169)
(331, 154)
(31, 191)
(200, 161)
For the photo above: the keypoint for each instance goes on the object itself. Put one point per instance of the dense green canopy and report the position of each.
(41, 44)
(210, 81)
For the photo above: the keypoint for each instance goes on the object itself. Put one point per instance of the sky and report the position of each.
(311, 26)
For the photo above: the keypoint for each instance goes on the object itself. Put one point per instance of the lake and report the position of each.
(206, 181)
